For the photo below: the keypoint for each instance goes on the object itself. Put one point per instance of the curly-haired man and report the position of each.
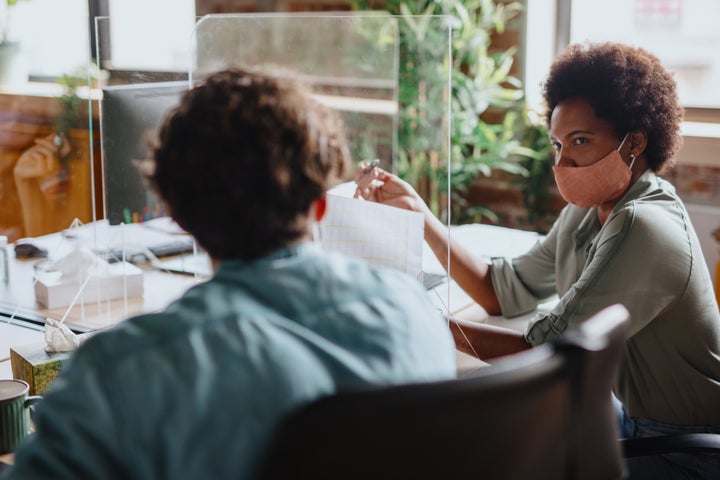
(195, 391)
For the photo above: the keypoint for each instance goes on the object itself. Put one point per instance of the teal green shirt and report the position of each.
(647, 257)
(195, 391)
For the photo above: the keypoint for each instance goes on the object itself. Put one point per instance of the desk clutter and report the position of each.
(82, 275)
(135, 243)
(93, 275)
(97, 262)
(36, 366)
(39, 362)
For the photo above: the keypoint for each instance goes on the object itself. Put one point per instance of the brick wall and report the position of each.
(502, 193)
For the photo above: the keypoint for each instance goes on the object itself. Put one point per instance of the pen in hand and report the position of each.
(371, 165)
(365, 171)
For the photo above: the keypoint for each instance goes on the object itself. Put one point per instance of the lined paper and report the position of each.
(381, 235)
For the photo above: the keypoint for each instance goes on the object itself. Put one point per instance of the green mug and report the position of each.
(14, 413)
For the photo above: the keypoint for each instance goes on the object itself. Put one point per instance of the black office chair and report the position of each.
(693, 443)
(600, 420)
(513, 420)
(594, 350)
(678, 443)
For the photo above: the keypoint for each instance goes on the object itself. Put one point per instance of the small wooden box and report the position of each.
(34, 365)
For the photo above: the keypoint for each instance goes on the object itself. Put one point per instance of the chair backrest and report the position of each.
(508, 422)
(529, 415)
(595, 350)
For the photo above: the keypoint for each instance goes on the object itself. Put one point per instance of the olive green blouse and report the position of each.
(648, 258)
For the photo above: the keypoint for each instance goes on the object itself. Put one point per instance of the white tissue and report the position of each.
(59, 338)
(81, 277)
(80, 263)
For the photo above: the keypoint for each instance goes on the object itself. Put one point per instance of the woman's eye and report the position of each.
(556, 146)
(579, 140)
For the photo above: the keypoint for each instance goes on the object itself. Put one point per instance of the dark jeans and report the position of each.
(672, 466)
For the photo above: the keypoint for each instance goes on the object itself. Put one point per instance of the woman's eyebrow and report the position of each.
(575, 132)
(572, 133)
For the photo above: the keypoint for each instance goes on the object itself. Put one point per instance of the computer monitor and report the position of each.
(129, 115)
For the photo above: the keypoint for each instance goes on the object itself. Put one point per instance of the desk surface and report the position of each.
(17, 298)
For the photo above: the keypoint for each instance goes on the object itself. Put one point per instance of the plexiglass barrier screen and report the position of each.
(351, 62)
(49, 146)
(387, 77)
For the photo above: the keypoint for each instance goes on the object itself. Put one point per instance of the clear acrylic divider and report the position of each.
(350, 61)
(388, 77)
(98, 269)
(49, 159)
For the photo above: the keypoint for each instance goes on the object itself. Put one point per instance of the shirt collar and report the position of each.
(589, 226)
(645, 182)
(290, 252)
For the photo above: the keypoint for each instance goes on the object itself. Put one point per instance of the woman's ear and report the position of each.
(318, 208)
(638, 142)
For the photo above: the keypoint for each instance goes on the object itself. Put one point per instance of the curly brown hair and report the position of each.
(626, 86)
(241, 159)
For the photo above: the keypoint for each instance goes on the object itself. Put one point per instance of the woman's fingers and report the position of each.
(39, 160)
(366, 180)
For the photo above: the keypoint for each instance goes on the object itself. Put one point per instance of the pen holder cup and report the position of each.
(15, 407)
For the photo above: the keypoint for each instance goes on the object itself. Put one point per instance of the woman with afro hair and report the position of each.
(624, 237)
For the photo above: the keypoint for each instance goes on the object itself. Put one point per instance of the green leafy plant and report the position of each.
(481, 83)
(537, 181)
(70, 103)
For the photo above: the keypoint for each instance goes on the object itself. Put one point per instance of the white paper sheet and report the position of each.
(381, 235)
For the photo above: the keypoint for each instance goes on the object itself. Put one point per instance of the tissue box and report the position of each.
(37, 367)
(120, 279)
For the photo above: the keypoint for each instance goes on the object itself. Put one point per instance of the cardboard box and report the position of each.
(37, 367)
(120, 280)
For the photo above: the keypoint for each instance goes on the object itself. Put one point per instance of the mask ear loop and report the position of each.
(632, 155)
(623, 142)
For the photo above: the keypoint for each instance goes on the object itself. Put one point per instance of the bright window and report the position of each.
(54, 35)
(151, 35)
(146, 34)
(683, 34)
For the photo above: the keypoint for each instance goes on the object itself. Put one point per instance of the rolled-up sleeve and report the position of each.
(522, 282)
(514, 297)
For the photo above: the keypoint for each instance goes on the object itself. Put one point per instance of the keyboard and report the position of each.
(134, 255)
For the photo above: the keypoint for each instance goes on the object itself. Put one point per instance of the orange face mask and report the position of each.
(597, 183)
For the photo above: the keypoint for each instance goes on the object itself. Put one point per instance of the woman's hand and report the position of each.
(41, 159)
(380, 186)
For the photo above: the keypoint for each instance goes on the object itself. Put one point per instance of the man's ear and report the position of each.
(319, 207)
